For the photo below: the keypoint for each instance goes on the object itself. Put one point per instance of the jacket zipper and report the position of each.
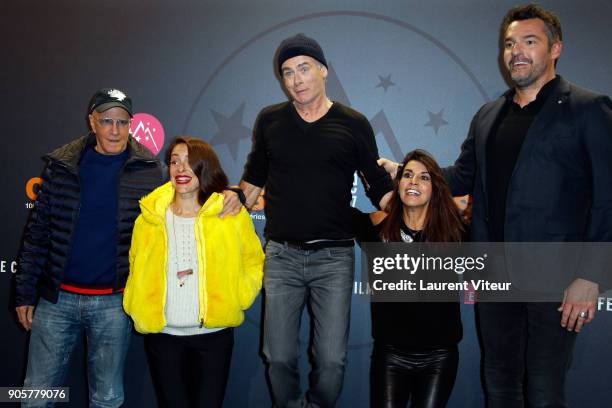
(201, 270)
(75, 215)
(128, 161)
(119, 182)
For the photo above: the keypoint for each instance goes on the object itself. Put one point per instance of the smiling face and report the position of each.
(528, 54)
(183, 178)
(112, 129)
(415, 185)
(304, 79)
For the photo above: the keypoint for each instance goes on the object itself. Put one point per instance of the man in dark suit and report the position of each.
(543, 141)
(538, 162)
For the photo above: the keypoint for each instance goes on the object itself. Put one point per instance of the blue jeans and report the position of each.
(56, 328)
(526, 354)
(323, 279)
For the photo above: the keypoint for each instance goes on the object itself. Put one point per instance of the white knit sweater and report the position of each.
(182, 296)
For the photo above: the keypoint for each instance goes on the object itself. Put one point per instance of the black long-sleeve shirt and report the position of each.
(503, 148)
(308, 170)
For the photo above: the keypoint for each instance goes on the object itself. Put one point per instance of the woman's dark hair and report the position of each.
(205, 164)
(442, 221)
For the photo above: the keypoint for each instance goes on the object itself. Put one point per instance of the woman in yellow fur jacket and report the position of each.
(192, 275)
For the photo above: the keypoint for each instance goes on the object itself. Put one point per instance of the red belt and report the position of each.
(89, 291)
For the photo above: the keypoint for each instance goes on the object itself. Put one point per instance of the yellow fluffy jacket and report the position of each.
(230, 264)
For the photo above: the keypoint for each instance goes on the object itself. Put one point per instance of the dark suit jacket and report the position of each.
(561, 186)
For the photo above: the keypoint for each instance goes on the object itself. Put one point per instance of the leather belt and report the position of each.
(314, 246)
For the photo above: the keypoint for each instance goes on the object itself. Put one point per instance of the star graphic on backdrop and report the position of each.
(385, 82)
(380, 123)
(231, 130)
(436, 121)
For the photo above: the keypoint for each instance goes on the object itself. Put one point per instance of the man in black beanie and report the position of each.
(309, 144)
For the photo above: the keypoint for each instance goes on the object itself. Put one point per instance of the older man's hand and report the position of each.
(231, 203)
(25, 314)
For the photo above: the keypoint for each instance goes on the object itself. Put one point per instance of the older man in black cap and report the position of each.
(74, 261)
(305, 153)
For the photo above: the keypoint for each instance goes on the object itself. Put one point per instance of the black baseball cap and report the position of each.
(107, 98)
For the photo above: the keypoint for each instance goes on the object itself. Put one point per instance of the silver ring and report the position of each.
(583, 314)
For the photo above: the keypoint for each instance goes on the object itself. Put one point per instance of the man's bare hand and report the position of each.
(389, 166)
(25, 314)
(579, 304)
(231, 203)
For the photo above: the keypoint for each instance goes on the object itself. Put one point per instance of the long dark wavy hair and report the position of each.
(204, 163)
(442, 221)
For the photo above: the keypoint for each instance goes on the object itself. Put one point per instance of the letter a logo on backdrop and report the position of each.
(147, 130)
(415, 90)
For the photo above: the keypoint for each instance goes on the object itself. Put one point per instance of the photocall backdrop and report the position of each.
(418, 70)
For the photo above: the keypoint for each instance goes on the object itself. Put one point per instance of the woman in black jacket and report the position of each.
(415, 353)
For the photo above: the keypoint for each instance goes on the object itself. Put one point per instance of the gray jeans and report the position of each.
(323, 279)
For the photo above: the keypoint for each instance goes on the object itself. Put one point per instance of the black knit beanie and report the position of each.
(299, 44)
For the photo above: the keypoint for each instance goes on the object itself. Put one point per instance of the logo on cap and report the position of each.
(117, 94)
